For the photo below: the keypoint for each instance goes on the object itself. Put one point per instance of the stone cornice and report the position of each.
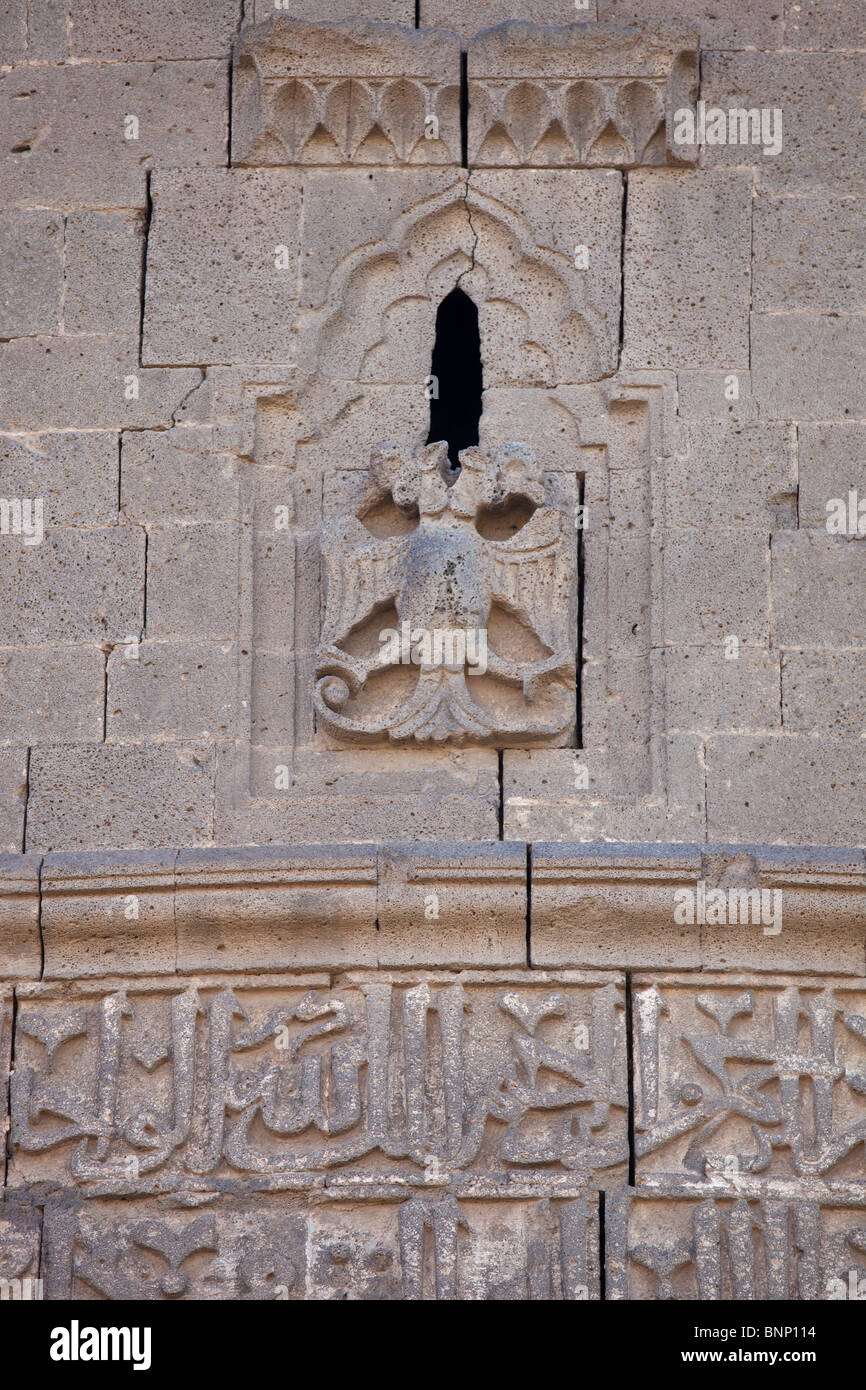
(431, 904)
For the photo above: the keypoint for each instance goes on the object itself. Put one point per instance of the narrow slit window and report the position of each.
(456, 381)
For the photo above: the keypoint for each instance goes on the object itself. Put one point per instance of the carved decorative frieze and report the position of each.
(356, 92)
(482, 1083)
(430, 1245)
(738, 1077)
(679, 1244)
(457, 551)
(364, 92)
(578, 95)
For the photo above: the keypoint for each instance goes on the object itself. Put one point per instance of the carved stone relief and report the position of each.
(473, 551)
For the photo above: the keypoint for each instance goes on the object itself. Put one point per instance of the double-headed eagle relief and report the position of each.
(453, 619)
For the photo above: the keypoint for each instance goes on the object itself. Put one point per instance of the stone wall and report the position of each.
(549, 982)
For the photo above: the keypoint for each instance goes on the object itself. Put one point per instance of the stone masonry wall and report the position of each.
(319, 981)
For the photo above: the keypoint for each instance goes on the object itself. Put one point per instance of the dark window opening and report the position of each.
(457, 384)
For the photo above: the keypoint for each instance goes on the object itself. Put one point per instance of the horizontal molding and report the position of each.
(425, 904)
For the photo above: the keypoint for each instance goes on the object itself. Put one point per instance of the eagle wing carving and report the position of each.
(529, 576)
(362, 573)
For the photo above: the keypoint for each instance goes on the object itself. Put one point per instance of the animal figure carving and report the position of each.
(444, 577)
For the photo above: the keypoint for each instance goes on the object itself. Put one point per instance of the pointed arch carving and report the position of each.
(538, 323)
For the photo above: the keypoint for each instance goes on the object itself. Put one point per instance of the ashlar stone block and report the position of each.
(809, 255)
(103, 272)
(687, 260)
(13, 798)
(832, 465)
(120, 32)
(74, 473)
(701, 603)
(818, 146)
(809, 366)
(721, 25)
(86, 382)
(119, 796)
(818, 590)
(52, 693)
(222, 272)
(75, 586)
(31, 272)
(168, 691)
(825, 692)
(71, 143)
(785, 790)
(192, 581)
(731, 474)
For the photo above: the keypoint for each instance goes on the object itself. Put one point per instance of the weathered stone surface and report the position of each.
(13, 798)
(120, 32)
(824, 692)
(13, 30)
(173, 476)
(809, 366)
(818, 590)
(119, 796)
(85, 382)
(700, 605)
(76, 586)
(816, 24)
(65, 128)
(462, 904)
(590, 794)
(832, 463)
(31, 272)
(809, 254)
(679, 310)
(716, 395)
(305, 796)
(578, 94)
(192, 581)
(52, 693)
(47, 39)
(20, 944)
(103, 272)
(787, 790)
(740, 1242)
(222, 272)
(371, 203)
(108, 913)
(75, 474)
(299, 896)
(721, 25)
(396, 11)
(822, 147)
(707, 691)
(352, 92)
(509, 238)
(580, 896)
(20, 1232)
(731, 475)
(170, 691)
(486, 13)
(304, 1110)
